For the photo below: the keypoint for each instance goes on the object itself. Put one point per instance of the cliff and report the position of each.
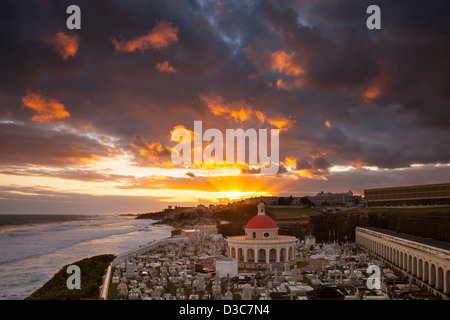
(92, 270)
(429, 224)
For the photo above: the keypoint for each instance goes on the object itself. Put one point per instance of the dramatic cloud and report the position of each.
(91, 111)
(46, 108)
(161, 36)
(287, 67)
(372, 92)
(285, 64)
(34, 200)
(165, 67)
(66, 173)
(30, 145)
(240, 111)
(148, 154)
(66, 45)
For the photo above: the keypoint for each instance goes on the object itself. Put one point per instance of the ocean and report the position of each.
(34, 247)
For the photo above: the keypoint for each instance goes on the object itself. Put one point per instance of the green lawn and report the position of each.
(300, 264)
(112, 291)
(291, 212)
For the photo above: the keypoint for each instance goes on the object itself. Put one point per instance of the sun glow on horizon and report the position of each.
(236, 195)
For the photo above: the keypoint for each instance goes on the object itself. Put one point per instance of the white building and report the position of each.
(310, 241)
(191, 234)
(426, 260)
(345, 198)
(207, 229)
(227, 267)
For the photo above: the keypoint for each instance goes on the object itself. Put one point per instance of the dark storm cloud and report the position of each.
(342, 60)
(399, 68)
(25, 52)
(149, 154)
(407, 58)
(37, 145)
(73, 174)
(384, 93)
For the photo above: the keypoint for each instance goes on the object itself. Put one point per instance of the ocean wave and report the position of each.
(27, 262)
(26, 244)
(23, 234)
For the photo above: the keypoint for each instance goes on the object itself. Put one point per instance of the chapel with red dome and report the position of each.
(261, 226)
(261, 243)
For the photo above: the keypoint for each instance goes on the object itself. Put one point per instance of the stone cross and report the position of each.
(295, 274)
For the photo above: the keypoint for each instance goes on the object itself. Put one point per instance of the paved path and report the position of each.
(314, 264)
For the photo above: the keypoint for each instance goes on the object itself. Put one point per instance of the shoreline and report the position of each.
(31, 265)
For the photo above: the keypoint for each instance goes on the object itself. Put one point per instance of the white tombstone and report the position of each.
(282, 288)
(227, 267)
(246, 292)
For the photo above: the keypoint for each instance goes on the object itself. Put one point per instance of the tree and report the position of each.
(306, 201)
(289, 200)
(285, 201)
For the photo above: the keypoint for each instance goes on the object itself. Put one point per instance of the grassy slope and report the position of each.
(291, 212)
(92, 271)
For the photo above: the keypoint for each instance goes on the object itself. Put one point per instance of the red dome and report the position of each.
(261, 222)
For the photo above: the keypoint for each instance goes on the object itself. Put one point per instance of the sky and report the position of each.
(86, 116)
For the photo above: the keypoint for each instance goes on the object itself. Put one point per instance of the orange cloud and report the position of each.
(281, 122)
(359, 163)
(159, 37)
(328, 124)
(47, 109)
(240, 111)
(289, 85)
(291, 162)
(65, 45)
(183, 127)
(153, 153)
(310, 174)
(165, 67)
(284, 63)
(318, 155)
(372, 92)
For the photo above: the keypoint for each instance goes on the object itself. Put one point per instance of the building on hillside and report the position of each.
(214, 207)
(345, 198)
(274, 201)
(206, 230)
(192, 234)
(426, 194)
